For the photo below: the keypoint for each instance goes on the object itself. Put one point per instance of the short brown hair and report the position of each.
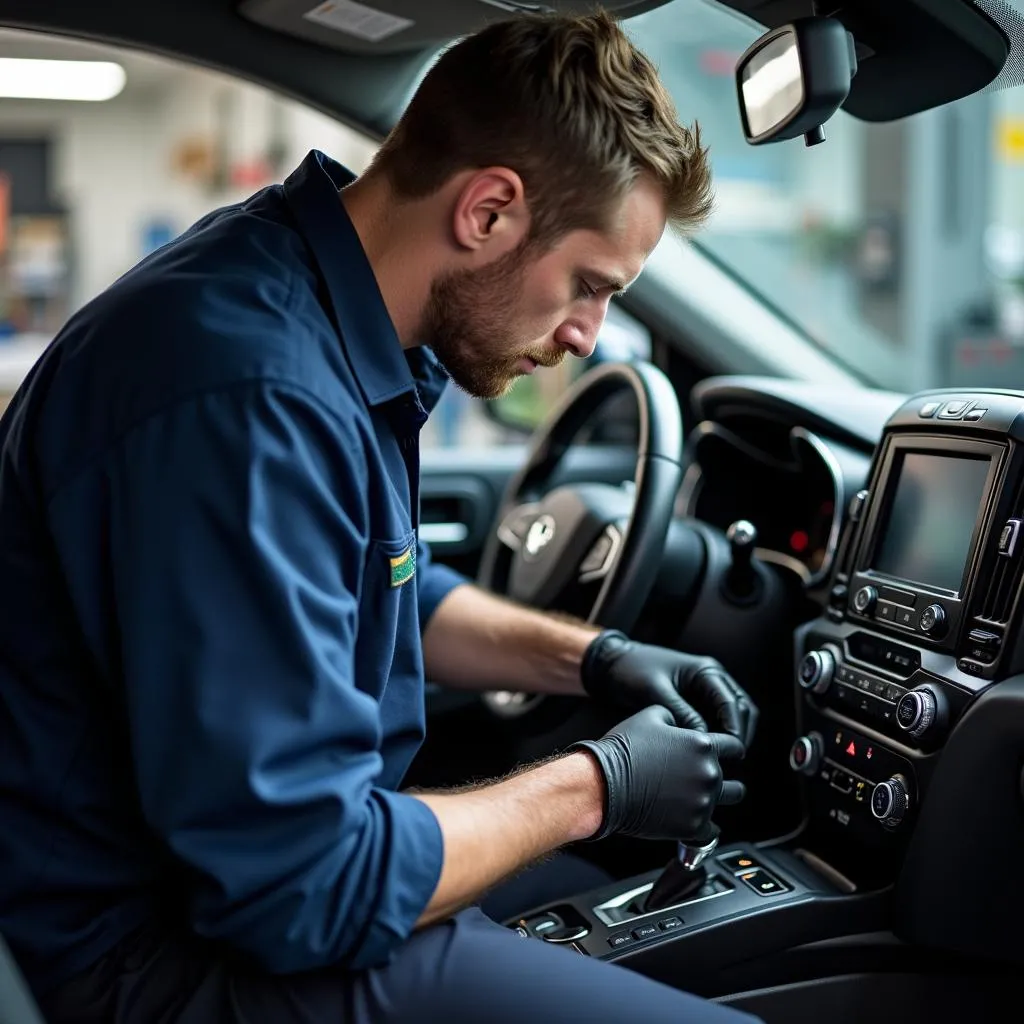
(570, 104)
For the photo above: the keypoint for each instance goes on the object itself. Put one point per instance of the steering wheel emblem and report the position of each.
(540, 535)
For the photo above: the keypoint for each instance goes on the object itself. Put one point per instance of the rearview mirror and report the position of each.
(793, 79)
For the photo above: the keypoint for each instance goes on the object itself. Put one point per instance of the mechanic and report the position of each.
(216, 619)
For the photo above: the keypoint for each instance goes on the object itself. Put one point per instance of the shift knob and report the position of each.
(683, 875)
(691, 855)
(741, 580)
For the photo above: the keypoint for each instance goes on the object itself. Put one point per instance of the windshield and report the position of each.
(898, 248)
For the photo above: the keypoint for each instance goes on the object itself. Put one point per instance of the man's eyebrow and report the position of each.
(599, 280)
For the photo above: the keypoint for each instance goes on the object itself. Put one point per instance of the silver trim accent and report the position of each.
(689, 490)
(919, 702)
(825, 668)
(443, 533)
(612, 533)
(581, 933)
(1013, 526)
(807, 745)
(892, 785)
(890, 791)
(601, 910)
(835, 471)
(505, 533)
(692, 856)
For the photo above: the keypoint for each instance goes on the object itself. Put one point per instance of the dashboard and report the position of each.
(793, 499)
(762, 453)
(908, 672)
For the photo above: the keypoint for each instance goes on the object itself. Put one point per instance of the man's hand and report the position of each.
(663, 782)
(696, 690)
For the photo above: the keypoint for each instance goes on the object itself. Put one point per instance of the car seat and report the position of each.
(16, 1003)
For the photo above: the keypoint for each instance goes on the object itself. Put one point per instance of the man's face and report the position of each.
(492, 324)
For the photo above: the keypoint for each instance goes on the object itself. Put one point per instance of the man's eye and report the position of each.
(584, 291)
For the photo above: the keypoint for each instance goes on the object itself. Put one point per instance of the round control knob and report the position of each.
(915, 711)
(890, 800)
(805, 754)
(816, 670)
(865, 600)
(933, 621)
(567, 933)
(742, 536)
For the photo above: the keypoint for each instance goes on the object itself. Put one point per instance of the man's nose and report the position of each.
(579, 335)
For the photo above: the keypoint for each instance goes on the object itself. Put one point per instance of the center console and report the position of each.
(918, 623)
(921, 617)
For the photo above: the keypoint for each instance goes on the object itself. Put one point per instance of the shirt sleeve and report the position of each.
(436, 582)
(237, 532)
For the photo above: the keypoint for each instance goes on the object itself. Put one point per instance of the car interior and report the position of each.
(851, 552)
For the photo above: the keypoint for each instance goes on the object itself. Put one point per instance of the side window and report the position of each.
(106, 154)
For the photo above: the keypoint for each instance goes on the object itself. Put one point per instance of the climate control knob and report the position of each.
(915, 711)
(805, 754)
(890, 800)
(865, 600)
(922, 712)
(933, 621)
(817, 669)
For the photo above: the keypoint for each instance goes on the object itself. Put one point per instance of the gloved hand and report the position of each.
(697, 690)
(663, 782)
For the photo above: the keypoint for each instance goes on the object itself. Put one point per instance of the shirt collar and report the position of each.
(385, 370)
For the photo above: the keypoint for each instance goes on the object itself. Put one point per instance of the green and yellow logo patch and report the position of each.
(403, 568)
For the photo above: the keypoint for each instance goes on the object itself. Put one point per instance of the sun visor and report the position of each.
(401, 26)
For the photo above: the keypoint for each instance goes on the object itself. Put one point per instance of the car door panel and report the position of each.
(461, 489)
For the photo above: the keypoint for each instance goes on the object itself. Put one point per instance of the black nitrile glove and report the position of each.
(663, 782)
(697, 690)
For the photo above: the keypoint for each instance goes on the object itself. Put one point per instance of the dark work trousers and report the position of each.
(468, 968)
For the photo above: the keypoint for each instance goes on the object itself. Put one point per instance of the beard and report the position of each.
(472, 325)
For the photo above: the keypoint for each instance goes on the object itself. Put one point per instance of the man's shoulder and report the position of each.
(234, 298)
(234, 301)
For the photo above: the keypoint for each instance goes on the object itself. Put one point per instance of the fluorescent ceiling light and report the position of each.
(93, 80)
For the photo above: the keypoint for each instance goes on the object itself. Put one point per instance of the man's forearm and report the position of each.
(479, 641)
(492, 832)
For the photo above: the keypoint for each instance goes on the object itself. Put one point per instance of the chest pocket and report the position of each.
(388, 648)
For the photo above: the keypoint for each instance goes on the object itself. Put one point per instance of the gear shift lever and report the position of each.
(741, 584)
(683, 875)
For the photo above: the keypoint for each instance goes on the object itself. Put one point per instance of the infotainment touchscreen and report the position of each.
(931, 518)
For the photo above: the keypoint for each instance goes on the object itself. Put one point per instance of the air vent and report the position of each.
(997, 602)
(997, 595)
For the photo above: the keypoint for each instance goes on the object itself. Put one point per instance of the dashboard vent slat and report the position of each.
(997, 597)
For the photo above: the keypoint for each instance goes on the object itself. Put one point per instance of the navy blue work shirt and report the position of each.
(211, 604)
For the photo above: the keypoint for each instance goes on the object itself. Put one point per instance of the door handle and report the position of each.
(443, 533)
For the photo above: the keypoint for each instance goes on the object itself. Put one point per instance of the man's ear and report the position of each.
(490, 211)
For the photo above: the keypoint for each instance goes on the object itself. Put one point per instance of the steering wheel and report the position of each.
(569, 541)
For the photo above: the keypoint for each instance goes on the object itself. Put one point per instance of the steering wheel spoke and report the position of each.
(601, 557)
(554, 535)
